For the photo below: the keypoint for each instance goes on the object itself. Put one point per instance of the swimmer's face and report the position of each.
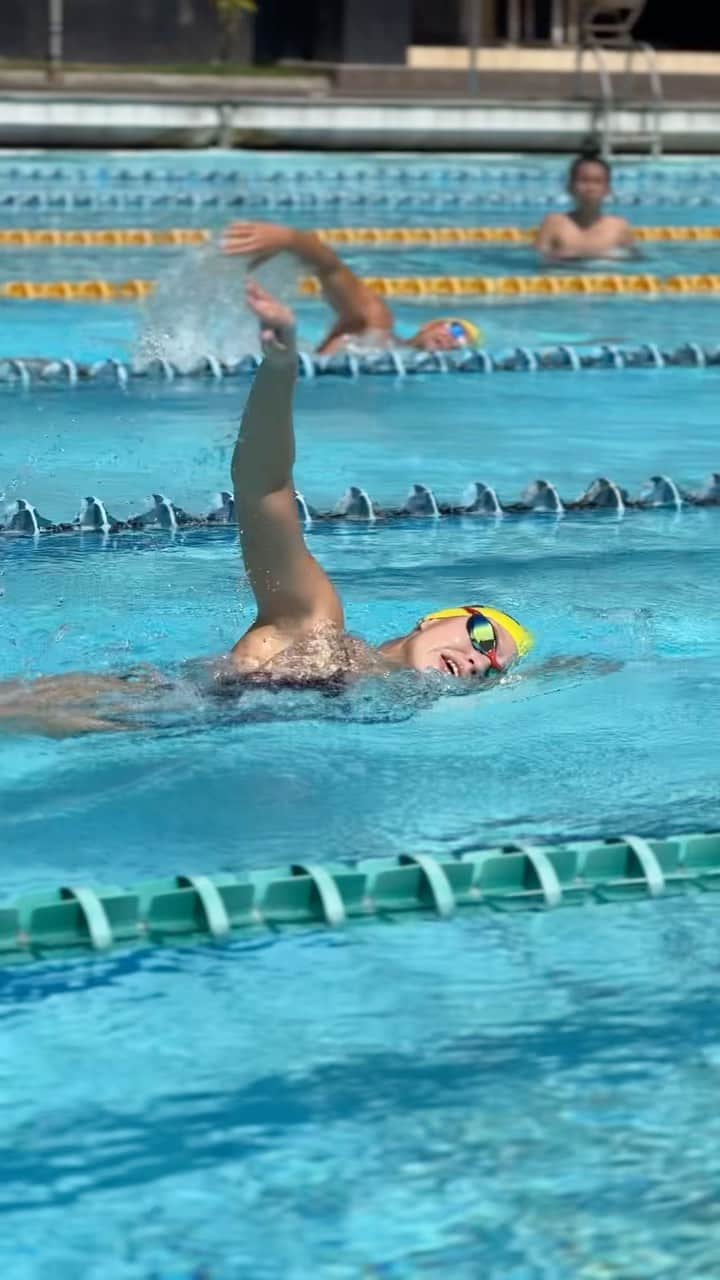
(590, 185)
(444, 645)
(440, 335)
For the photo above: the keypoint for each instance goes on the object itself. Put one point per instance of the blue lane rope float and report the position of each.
(540, 498)
(65, 373)
(345, 196)
(78, 175)
(215, 907)
(626, 175)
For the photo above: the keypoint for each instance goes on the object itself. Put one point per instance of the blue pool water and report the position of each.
(379, 432)
(520, 1098)
(552, 755)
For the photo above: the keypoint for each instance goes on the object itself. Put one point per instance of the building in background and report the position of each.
(326, 31)
(382, 31)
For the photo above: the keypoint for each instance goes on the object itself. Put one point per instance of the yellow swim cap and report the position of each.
(524, 639)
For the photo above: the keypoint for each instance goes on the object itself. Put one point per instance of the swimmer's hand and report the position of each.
(257, 241)
(277, 323)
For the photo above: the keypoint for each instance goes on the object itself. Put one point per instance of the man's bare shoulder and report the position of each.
(557, 219)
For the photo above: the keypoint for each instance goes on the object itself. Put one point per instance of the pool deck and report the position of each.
(354, 107)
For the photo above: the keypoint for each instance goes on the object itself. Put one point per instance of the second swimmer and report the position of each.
(361, 315)
(585, 232)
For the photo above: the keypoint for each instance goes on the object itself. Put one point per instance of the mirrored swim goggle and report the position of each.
(480, 629)
(482, 633)
(464, 331)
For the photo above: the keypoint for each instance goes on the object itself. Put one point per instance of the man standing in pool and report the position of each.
(362, 316)
(585, 232)
(298, 636)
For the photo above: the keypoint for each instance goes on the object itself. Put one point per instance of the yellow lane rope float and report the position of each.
(77, 290)
(145, 238)
(394, 287)
(528, 286)
(112, 238)
(443, 236)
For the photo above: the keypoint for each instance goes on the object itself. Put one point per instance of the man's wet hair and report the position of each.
(591, 154)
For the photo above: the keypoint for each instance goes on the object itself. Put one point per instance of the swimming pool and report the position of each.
(527, 1096)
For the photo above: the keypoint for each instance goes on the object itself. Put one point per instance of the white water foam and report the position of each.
(198, 309)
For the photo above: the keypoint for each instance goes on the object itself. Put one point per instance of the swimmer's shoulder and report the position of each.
(321, 644)
(617, 222)
(261, 643)
(555, 231)
(556, 221)
(625, 231)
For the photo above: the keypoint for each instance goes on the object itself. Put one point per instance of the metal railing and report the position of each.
(605, 26)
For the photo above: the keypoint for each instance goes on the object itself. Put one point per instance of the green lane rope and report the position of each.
(216, 917)
(213, 907)
(545, 873)
(435, 880)
(649, 864)
(329, 897)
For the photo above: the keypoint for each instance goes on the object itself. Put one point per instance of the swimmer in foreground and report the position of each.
(585, 232)
(299, 633)
(362, 316)
(298, 637)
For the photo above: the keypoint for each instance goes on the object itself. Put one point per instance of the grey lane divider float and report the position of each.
(342, 196)
(541, 497)
(212, 907)
(77, 175)
(26, 373)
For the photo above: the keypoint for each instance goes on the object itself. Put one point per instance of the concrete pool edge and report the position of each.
(223, 118)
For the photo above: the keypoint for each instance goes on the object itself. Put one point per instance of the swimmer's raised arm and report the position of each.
(357, 308)
(292, 592)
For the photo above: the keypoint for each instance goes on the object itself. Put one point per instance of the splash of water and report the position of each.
(198, 309)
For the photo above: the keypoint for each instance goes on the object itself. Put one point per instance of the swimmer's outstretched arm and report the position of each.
(357, 308)
(292, 592)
